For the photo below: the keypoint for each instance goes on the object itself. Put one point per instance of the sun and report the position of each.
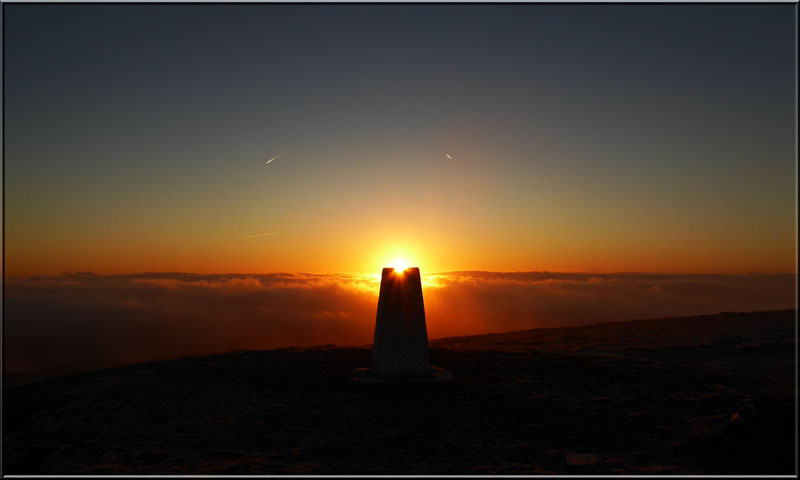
(399, 264)
(397, 255)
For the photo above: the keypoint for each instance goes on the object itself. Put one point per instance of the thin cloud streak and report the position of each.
(262, 234)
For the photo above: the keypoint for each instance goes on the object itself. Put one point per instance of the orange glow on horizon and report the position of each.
(359, 239)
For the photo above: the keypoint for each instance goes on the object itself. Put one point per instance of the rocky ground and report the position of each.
(700, 395)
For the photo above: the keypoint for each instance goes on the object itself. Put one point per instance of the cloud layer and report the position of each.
(91, 321)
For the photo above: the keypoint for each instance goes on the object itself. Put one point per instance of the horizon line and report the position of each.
(557, 272)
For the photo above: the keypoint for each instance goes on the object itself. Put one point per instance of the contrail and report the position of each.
(262, 234)
(448, 156)
(273, 158)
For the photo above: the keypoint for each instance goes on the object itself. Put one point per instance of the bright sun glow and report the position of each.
(399, 264)
(398, 254)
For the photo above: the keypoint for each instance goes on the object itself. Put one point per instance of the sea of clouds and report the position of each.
(84, 321)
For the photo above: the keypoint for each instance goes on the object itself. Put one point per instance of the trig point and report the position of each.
(400, 345)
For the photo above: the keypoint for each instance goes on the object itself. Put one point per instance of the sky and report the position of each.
(566, 138)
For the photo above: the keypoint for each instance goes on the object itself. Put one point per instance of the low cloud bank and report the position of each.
(85, 321)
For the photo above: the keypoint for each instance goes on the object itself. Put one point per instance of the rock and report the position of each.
(738, 420)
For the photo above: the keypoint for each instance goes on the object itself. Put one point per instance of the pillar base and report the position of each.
(367, 375)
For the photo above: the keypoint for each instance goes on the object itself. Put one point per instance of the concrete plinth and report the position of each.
(400, 347)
